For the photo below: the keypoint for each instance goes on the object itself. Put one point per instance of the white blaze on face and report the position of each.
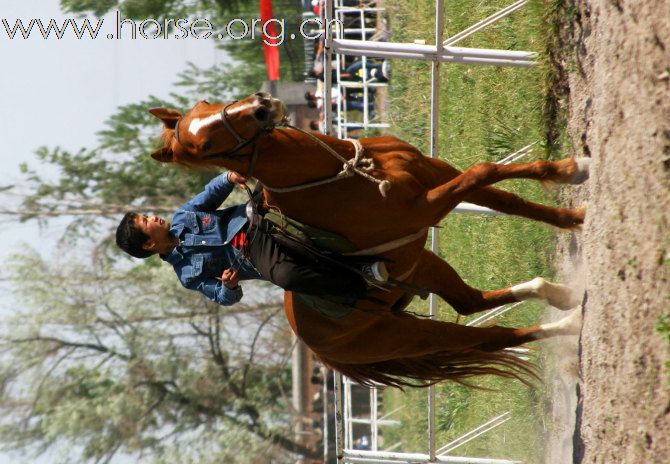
(197, 124)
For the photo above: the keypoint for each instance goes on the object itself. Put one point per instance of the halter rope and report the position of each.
(356, 165)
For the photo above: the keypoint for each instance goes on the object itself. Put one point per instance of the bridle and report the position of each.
(241, 141)
(359, 164)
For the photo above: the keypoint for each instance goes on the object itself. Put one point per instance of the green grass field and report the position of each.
(486, 113)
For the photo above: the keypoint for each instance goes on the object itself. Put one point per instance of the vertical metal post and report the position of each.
(325, 427)
(374, 425)
(349, 430)
(339, 415)
(327, 67)
(364, 69)
(434, 246)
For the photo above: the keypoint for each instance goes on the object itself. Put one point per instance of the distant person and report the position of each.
(374, 72)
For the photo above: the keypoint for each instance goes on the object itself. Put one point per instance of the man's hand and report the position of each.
(229, 278)
(238, 179)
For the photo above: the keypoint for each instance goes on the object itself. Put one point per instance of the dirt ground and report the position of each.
(613, 404)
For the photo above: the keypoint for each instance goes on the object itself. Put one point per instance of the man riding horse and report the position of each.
(375, 192)
(211, 250)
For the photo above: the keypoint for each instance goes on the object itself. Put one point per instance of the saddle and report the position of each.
(319, 246)
(314, 244)
(302, 239)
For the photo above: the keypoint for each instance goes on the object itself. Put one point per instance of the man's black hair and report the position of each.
(130, 238)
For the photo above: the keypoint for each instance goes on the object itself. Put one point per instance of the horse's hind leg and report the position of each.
(437, 276)
(569, 325)
(373, 336)
(442, 199)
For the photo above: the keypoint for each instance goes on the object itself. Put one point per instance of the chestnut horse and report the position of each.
(304, 178)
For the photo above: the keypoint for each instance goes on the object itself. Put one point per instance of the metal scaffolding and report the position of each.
(443, 51)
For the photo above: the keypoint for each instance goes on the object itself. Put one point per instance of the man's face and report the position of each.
(157, 228)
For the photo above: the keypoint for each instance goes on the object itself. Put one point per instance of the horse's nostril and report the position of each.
(262, 113)
(264, 99)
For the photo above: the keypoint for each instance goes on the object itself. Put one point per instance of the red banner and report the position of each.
(271, 51)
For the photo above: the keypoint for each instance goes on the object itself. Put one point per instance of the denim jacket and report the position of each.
(204, 249)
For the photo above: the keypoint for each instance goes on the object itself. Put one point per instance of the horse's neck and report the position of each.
(288, 157)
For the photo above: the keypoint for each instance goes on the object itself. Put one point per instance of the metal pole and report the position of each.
(440, 50)
(474, 433)
(495, 312)
(327, 68)
(349, 430)
(466, 207)
(374, 423)
(339, 416)
(326, 429)
(445, 57)
(362, 456)
(485, 22)
(434, 153)
(357, 420)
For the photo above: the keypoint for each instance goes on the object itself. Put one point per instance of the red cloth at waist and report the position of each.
(239, 240)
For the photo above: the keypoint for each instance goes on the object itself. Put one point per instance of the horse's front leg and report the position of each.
(509, 203)
(437, 276)
(471, 184)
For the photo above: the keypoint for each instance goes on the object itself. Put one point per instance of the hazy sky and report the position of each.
(59, 92)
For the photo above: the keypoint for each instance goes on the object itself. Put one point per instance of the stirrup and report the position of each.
(376, 272)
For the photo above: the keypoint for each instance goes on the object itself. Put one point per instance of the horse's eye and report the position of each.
(206, 146)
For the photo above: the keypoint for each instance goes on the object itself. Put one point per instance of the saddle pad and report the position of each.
(313, 236)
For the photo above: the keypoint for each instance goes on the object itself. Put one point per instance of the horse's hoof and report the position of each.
(559, 296)
(570, 324)
(582, 167)
(581, 212)
(573, 219)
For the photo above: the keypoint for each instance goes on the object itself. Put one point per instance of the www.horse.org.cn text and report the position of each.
(272, 31)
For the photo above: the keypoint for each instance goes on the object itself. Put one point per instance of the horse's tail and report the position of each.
(401, 349)
(428, 369)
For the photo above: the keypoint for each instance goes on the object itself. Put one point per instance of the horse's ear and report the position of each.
(163, 155)
(168, 116)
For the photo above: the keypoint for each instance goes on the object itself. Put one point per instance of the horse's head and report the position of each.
(218, 134)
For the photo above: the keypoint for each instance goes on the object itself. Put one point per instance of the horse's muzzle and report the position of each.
(270, 108)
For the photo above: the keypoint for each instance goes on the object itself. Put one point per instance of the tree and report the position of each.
(248, 54)
(142, 9)
(108, 358)
(95, 186)
(108, 364)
